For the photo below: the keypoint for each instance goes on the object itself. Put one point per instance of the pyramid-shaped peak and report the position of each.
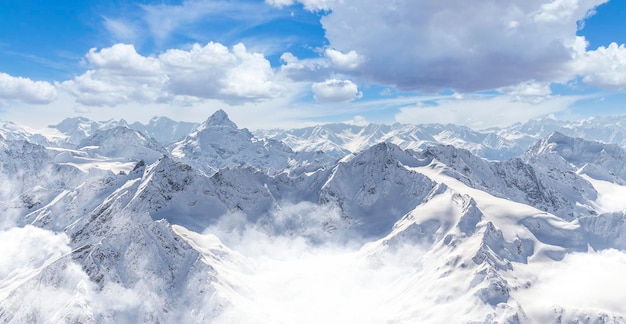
(71, 123)
(219, 118)
(558, 138)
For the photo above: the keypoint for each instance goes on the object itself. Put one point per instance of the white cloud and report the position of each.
(213, 71)
(311, 5)
(358, 120)
(334, 90)
(518, 47)
(123, 59)
(556, 10)
(344, 62)
(293, 275)
(163, 20)
(579, 282)
(30, 247)
(312, 69)
(529, 88)
(26, 90)
(467, 46)
(604, 67)
(121, 30)
(279, 3)
(482, 112)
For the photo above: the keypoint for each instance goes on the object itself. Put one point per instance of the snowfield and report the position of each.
(172, 222)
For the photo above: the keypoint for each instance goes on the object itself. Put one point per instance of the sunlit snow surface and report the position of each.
(100, 223)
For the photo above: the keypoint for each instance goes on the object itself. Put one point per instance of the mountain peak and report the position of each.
(219, 118)
(554, 141)
(558, 138)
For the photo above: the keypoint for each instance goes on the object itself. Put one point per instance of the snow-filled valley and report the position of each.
(172, 222)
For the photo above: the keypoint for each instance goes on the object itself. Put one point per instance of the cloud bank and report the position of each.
(580, 282)
(119, 74)
(465, 46)
(26, 90)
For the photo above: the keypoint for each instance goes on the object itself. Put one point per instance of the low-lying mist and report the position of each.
(316, 273)
(315, 277)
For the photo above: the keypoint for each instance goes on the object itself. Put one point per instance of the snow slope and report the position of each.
(339, 223)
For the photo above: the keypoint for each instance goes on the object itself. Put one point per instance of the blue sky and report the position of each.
(288, 63)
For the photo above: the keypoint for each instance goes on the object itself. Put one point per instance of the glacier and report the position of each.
(116, 222)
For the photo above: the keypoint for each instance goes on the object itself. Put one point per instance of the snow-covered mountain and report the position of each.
(164, 130)
(122, 142)
(219, 143)
(605, 129)
(492, 144)
(177, 222)
(343, 138)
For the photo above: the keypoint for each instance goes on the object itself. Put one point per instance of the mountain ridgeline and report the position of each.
(133, 214)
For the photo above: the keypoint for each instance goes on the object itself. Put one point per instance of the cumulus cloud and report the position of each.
(516, 47)
(604, 67)
(123, 59)
(334, 90)
(236, 74)
(344, 61)
(319, 69)
(306, 70)
(466, 46)
(213, 71)
(26, 90)
(483, 111)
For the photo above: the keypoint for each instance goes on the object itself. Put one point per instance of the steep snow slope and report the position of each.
(373, 189)
(228, 228)
(122, 142)
(218, 143)
(552, 189)
(45, 137)
(477, 243)
(606, 129)
(164, 130)
(117, 263)
(603, 161)
(461, 255)
(77, 129)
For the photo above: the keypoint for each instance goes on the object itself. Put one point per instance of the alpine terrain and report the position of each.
(175, 222)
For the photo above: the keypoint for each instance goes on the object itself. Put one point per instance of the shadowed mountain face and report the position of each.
(110, 222)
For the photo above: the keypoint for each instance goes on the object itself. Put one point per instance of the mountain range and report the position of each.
(110, 222)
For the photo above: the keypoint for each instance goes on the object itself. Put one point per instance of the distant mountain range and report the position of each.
(111, 222)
